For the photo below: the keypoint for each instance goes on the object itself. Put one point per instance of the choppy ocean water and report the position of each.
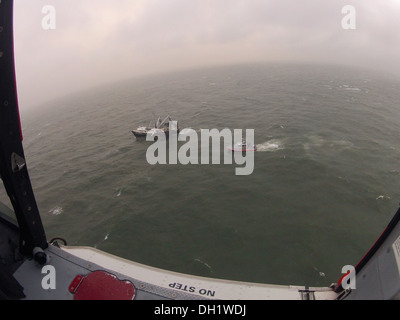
(326, 177)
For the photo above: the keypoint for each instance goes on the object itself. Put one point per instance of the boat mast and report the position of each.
(166, 118)
(13, 168)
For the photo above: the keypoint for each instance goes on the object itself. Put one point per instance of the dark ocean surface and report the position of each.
(326, 177)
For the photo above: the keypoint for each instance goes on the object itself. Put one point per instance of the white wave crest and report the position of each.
(56, 210)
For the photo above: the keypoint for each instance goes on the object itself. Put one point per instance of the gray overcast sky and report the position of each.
(97, 41)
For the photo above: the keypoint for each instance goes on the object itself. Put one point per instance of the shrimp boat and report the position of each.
(160, 127)
(243, 146)
(33, 267)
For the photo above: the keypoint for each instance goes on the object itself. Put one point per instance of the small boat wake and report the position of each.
(270, 146)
